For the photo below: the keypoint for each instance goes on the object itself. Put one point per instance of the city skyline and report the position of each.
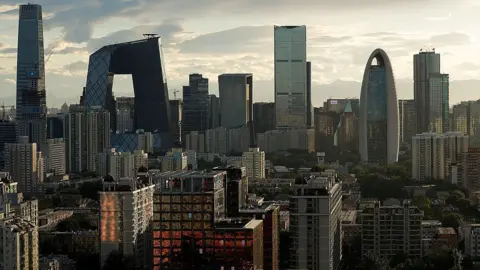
(238, 46)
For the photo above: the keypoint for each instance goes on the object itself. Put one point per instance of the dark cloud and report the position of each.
(76, 66)
(241, 39)
(166, 30)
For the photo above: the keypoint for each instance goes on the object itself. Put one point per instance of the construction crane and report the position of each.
(175, 91)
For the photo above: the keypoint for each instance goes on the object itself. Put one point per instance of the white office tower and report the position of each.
(126, 210)
(19, 245)
(254, 162)
(120, 164)
(290, 76)
(433, 154)
(175, 160)
(54, 156)
(315, 224)
(24, 164)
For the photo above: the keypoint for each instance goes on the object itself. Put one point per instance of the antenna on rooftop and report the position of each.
(149, 36)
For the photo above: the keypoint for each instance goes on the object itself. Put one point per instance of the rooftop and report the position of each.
(446, 230)
(188, 174)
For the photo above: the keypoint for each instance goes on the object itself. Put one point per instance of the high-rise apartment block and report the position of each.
(468, 169)
(466, 119)
(236, 99)
(174, 160)
(54, 156)
(254, 162)
(24, 164)
(126, 211)
(19, 244)
(283, 140)
(390, 230)
(8, 134)
(315, 209)
(31, 105)
(431, 93)
(121, 164)
(263, 116)
(195, 104)
(125, 116)
(407, 118)
(433, 154)
(290, 46)
(87, 133)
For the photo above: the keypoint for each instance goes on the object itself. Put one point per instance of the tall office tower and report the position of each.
(55, 126)
(176, 120)
(407, 118)
(176, 195)
(235, 92)
(254, 162)
(391, 230)
(143, 59)
(87, 133)
(195, 104)
(31, 99)
(213, 112)
(325, 127)
(126, 211)
(468, 173)
(426, 63)
(125, 114)
(439, 110)
(19, 244)
(24, 164)
(315, 209)
(54, 156)
(346, 134)
(434, 154)
(378, 116)
(263, 116)
(290, 76)
(309, 95)
(8, 134)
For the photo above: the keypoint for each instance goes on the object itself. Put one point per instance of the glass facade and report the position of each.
(377, 116)
(31, 99)
(235, 99)
(378, 112)
(438, 113)
(195, 104)
(290, 76)
(142, 59)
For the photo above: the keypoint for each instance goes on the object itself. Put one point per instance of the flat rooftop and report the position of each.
(188, 174)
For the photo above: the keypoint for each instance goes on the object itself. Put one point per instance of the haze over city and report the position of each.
(212, 37)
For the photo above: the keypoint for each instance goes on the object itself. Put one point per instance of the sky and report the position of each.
(212, 37)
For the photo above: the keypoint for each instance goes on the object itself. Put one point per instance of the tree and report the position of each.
(452, 220)
(117, 261)
(90, 190)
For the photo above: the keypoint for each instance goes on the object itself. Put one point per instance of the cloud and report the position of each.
(442, 18)
(8, 50)
(76, 66)
(167, 30)
(468, 66)
(10, 81)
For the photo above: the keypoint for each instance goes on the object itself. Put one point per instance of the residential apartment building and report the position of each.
(254, 162)
(315, 222)
(469, 169)
(471, 233)
(54, 156)
(389, 230)
(175, 160)
(283, 140)
(433, 154)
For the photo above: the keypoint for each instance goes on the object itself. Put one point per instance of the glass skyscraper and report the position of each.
(31, 98)
(378, 126)
(195, 104)
(143, 59)
(290, 76)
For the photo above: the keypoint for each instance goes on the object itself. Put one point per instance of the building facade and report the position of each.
(378, 119)
(254, 163)
(195, 104)
(176, 119)
(143, 59)
(290, 54)
(407, 118)
(31, 114)
(315, 211)
(236, 99)
(263, 116)
(54, 156)
(389, 230)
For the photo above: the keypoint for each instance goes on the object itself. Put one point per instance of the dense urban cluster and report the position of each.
(207, 182)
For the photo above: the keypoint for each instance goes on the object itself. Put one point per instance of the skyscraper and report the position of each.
(263, 116)
(31, 99)
(213, 111)
(428, 91)
(290, 76)
(195, 104)
(176, 119)
(235, 99)
(378, 120)
(309, 95)
(407, 118)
